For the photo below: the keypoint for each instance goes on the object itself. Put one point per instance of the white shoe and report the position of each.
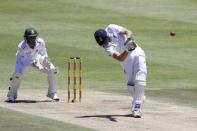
(137, 113)
(10, 99)
(53, 96)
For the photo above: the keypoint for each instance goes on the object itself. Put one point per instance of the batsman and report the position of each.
(32, 53)
(118, 42)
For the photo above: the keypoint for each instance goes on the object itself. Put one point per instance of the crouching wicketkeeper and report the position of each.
(32, 52)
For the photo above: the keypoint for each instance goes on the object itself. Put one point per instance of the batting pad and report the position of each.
(140, 84)
(52, 81)
(15, 84)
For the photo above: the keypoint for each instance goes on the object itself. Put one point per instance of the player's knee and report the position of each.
(17, 75)
(140, 79)
(19, 69)
(53, 71)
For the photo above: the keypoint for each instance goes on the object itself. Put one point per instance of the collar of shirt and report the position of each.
(28, 45)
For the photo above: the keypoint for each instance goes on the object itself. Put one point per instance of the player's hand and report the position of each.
(37, 64)
(46, 63)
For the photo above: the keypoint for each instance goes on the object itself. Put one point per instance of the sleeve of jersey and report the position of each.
(114, 28)
(19, 51)
(43, 50)
(20, 56)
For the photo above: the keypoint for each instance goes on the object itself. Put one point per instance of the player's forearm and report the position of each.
(120, 57)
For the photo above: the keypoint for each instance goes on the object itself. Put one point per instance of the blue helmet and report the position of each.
(100, 36)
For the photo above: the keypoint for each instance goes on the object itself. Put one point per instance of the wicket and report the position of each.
(73, 61)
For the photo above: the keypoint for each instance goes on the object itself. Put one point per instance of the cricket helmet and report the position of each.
(100, 36)
(30, 32)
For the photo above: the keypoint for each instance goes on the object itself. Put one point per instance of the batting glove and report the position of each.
(130, 45)
(128, 40)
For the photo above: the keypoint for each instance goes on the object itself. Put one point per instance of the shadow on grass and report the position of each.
(112, 118)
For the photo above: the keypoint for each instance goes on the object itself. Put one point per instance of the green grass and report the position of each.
(67, 26)
(16, 121)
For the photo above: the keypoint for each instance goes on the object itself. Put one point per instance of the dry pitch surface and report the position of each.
(105, 111)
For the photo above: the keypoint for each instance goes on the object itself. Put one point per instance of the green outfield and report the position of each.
(67, 27)
(23, 122)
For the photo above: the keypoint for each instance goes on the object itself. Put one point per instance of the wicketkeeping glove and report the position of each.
(37, 64)
(46, 63)
(42, 62)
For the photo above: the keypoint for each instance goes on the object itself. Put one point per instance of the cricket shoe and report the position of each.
(53, 96)
(10, 99)
(137, 113)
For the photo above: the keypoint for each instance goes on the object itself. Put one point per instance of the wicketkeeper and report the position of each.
(32, 52)
(118, 42)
